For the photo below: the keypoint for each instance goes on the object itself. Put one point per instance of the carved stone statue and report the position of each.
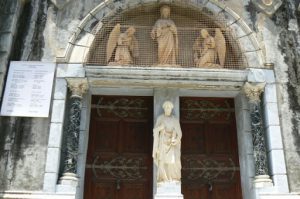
(123, 46)
(210, 51)
(165, 33)
(166, 146)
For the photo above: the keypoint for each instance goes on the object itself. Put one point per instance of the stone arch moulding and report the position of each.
(83, 37)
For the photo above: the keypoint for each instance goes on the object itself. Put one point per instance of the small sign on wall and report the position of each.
(28, 89)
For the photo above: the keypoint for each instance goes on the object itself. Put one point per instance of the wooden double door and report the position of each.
(119, 163)
(209, 151)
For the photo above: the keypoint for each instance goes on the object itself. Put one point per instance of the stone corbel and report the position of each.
(253, 93)
(269, 7)
(78, 86)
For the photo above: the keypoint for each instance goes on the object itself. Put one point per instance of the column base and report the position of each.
(262, 181)
(69, 179)
(168, 190)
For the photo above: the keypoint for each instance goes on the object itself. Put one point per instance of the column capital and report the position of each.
(253, 91)
(78, 86)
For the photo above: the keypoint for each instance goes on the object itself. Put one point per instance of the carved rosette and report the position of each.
(253, 93)
(77, 86)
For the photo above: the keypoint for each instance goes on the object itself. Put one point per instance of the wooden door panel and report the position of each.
(210, 166)
(104, 191)
(134, 191)
(225, 191)
(134, 139)
(194, 140)
(219, 138)
(196, 192)
(105, 136)
(119, 163)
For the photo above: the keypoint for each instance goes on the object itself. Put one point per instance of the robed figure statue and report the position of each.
(165, 33)
(166, 146)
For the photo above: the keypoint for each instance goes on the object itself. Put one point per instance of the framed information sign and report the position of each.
(28, 89)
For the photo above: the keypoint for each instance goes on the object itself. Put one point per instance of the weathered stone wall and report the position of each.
(22, 153)
(36, 31)
(279, 39)
(63, 17)
(9, 14)
(287, 20)
(23, 141)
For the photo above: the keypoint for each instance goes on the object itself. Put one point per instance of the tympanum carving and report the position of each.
(210, 51)
(122, 48)
(165, 33)
(169, 41)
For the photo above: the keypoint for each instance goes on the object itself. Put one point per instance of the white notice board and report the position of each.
(28, 89)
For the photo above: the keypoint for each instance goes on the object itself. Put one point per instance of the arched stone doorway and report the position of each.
(166, 83)
(101, 179)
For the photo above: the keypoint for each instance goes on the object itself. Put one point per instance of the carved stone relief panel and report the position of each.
(166, 36)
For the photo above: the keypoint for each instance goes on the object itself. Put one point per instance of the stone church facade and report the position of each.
(239, 111)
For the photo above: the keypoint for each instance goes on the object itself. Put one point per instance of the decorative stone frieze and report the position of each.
(253, 93)
(77, 86)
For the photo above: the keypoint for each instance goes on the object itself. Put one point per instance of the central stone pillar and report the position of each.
(166, 188)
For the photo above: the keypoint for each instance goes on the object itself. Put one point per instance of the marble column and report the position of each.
(253, 93)
(77, 86)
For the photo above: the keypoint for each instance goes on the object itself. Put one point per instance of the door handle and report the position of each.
(210, 187)
(118, 184)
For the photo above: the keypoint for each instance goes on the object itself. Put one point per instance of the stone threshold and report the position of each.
(280, 196)
(35, 195)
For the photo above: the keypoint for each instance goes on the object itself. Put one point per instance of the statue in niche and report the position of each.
(124, 46)
(166, 146)
(209, 52)
(165, 33)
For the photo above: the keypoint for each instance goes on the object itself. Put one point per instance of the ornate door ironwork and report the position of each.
(119, 162)
(210, 166)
